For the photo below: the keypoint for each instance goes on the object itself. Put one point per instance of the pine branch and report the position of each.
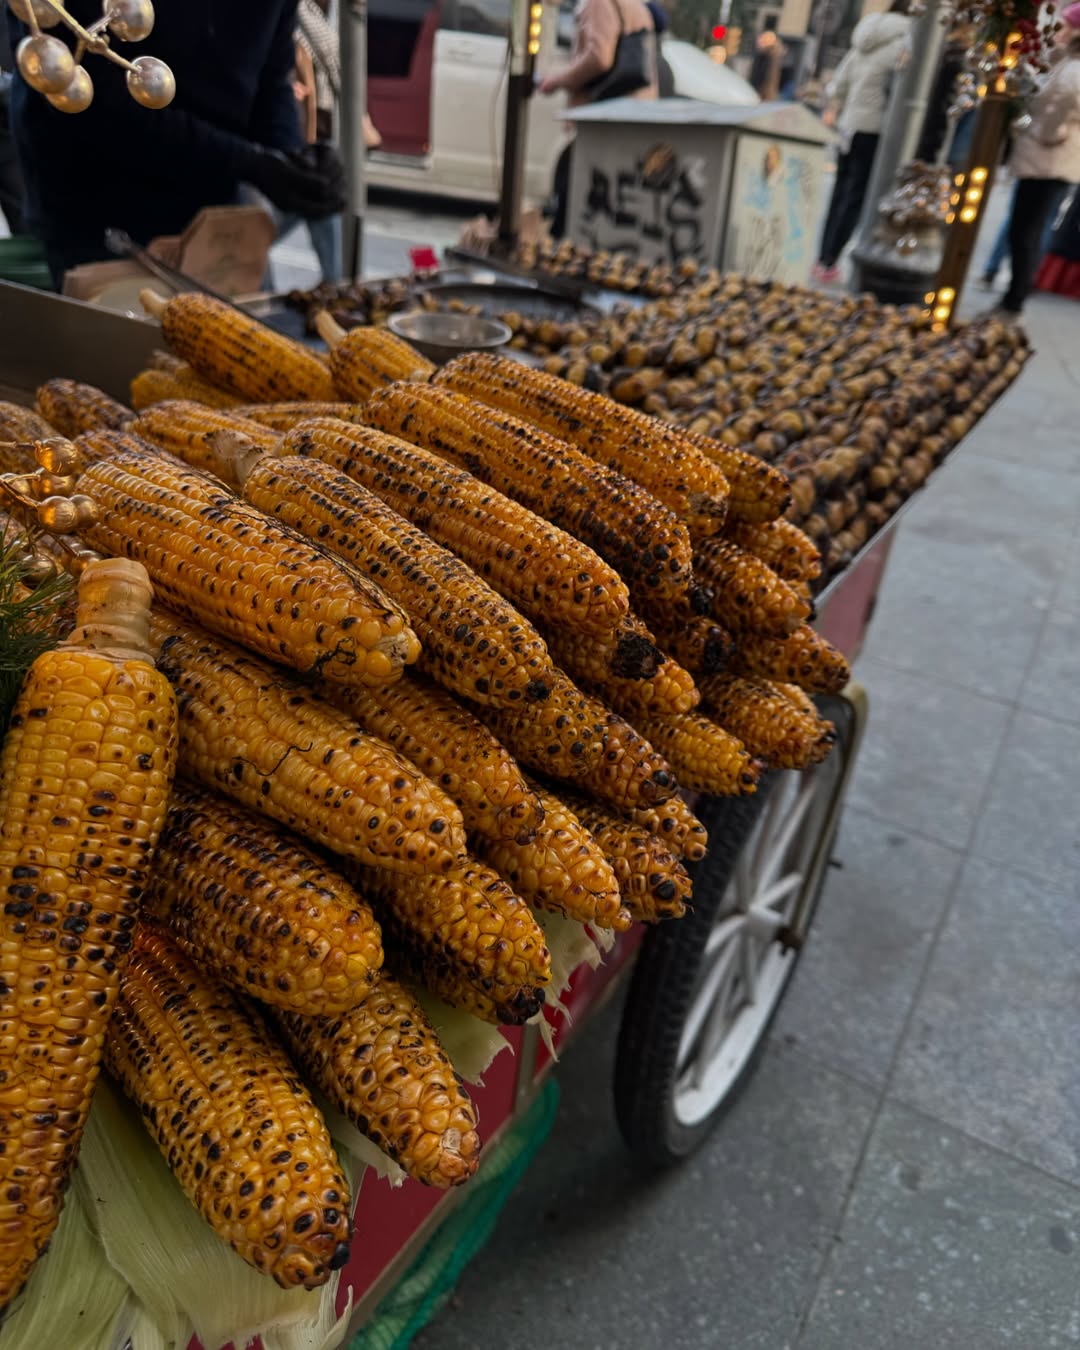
(31, 621)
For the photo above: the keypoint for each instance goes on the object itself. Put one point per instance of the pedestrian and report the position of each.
(858, 96)
(605, 31)
(1045, 160)
(935, 126)
(150, 172)
(1000, 250)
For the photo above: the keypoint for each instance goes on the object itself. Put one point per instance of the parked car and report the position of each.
(437, 75)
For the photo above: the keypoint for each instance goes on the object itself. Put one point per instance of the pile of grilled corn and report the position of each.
(434, 651)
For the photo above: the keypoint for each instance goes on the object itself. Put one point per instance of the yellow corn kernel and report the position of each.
(706, 757)
(747, 595)
(767, 722)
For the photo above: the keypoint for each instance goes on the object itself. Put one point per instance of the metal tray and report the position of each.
(496, 297)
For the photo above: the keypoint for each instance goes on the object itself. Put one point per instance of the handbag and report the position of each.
(631, 70)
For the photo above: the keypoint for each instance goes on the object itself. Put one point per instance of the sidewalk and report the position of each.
(904, 1171)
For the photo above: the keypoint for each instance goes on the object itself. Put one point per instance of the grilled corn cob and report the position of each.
(676, 826)
(17, 457)
(630, 772)
(192, 432)
(706, 757)
(238, 1128)
(454, 749)
(284, 416)
(801, 699)
(562, 737)
(219, 561)
(769, 724)
(759, 492)
(178, 381)
(540, 568)
(805, 658)
(625, 524)
(265, 741)
(94, 445)
(258, 911)
(652, 882)
(84, 783)
(23, 424)
(781, 545)
(672, 469)
(472, 640)
(434, 971)
(469, 921)
(382, 1065)
(366, 359)
(627, 670)
(747, 595)
(695, 641)
(562, 869)
(71, 407)
(238, 353)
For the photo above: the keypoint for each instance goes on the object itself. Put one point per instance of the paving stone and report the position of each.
(853, 987)
(949, 1244)
(1052, 685)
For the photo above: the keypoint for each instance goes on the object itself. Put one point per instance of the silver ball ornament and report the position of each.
(151, 83)
(77, 97)
(130, 20)
(46, 16)
(45, 63)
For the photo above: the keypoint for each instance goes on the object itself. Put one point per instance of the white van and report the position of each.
(437, 75)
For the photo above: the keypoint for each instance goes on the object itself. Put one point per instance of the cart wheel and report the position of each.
(705, 990)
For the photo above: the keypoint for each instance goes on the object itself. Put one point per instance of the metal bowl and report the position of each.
(442, 336)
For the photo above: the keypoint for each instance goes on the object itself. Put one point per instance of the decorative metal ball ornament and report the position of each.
(130, 20)
(77, 97)
(49, 66)
(151, 82)
(44, 14)
(45, 63)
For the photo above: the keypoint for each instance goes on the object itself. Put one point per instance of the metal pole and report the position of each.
(352, 33)
(518, 91)
(903, 120)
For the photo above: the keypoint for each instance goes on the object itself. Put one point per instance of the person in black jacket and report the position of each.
(11, 185)
(234, 121)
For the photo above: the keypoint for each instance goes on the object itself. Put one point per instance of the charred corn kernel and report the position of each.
(626, 525)
(119, 445)
(805, 658)
(695, 641)
(561, 869)
(629, 442)
(180, 381)
(219, 561)
(366, 359)
(255, 909)
(706, 757)
(781, 545)
(430, 969)
(23, 424)
(799, 697)
(473, 641)
(470, 920)
(193, 433)
(454, 749)
(268, 743)
(759, 492)
(627, 670)
(238, 353)
(72, 407)
(562, 736)
(284, 416)
(653, 883)
(676, 826)
(382, 1066)
(534, 564)
(84, 783)
(768, 724)
(747, 595)
(630, 772)
(238, 1128)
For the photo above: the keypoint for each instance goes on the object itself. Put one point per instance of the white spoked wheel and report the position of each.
(705, 990)
(749, 955)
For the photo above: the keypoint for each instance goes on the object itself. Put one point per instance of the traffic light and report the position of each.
(719, 32)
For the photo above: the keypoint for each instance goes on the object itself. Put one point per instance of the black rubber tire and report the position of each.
(664, 978)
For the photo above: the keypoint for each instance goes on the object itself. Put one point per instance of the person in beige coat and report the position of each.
(1045, 159)
(598, 25)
